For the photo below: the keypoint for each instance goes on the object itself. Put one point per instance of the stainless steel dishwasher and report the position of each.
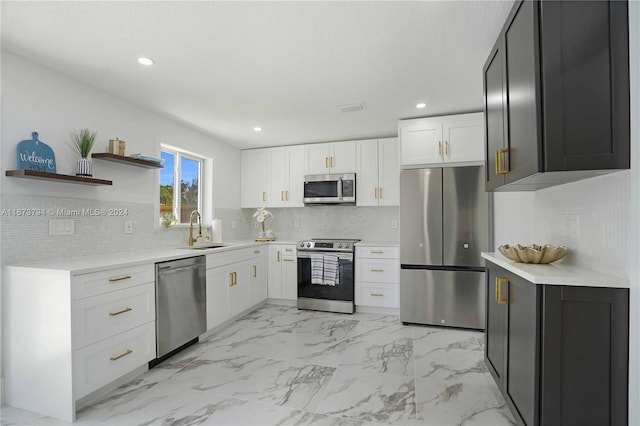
(181, 312)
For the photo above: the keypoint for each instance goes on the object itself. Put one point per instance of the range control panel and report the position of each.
(327, 245)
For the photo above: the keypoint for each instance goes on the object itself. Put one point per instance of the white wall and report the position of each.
(607, 208)
(35, 98)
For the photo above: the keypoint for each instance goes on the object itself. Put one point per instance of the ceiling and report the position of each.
(224, 68)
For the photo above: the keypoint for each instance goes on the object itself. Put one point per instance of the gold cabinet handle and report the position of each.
(439, 148)
(113, 314)
(116, 279)
(375, 193)
(278, 253)
(377, 294)
(377, 252)
(380, 191)
(377, 270)
(499, 169)
(332, 163)
(122, 355)
(288, 260)
(230, 279)
(326, 162)
(235, 278)
(256, 252)
(264, 196)
(281, 195)
(499, 299)
(446, 147)
(286, 195)
(255, 271)
(288, 249)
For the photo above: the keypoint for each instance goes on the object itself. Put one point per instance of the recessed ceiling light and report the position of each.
(145, 61)
(421, 105)
(257, 129)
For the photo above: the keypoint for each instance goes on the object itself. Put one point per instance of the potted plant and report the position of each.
(82, 142)
(167, 219)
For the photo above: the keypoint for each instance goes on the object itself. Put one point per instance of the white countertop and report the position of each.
(87, 264)
(557, 273)
(366, 243)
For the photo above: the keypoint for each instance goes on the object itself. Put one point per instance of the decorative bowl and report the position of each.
(533, 253)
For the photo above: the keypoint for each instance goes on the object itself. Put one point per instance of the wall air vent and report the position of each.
(352, 107)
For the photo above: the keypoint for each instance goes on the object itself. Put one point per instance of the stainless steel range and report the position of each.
(326, 275)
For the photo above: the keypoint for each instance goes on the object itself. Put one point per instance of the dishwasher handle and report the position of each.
(165, 270)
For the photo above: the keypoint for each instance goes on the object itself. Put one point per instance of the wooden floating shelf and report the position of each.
(32, 174)
(107, 156)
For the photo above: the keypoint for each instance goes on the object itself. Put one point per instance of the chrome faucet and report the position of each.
(191, 238)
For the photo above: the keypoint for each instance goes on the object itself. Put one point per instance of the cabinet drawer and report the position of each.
(377, 252)
(377, 270)
(96, 318)
(105, 361)
(215, 260)
(382, 296)
(95, 283)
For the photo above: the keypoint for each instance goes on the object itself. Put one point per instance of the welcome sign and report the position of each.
(35, 155)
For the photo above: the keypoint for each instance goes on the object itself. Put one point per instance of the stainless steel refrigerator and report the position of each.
(444, 225)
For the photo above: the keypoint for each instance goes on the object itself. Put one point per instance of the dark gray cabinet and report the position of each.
(556, 89)
(559, 354)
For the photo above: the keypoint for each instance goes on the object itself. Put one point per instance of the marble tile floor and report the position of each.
(281, 366)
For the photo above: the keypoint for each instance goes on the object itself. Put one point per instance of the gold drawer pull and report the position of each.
(122, 278)
(231, 283)
(377, 270)
(113, 314)
(115, 358)
(499, 169)
(499, 299)
(288, 260)
(256, 252)
(377, 252)
(255, 271)
(288, 249)
(377, 294)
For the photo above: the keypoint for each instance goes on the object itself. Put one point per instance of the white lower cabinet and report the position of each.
(97, 365)
(236, 280)
(377, 276)
(72, 333)
(283, 272)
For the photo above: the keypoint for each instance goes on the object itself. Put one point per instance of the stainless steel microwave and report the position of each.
(330, 189)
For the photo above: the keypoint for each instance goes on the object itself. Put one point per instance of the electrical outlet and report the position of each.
(562, 225)
(128, 227)
(574, 226)
(61, 227)
(296, 223)
(234, 224)
(394, 224)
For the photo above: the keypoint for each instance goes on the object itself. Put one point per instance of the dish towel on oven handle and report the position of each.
(317, 269)
(331, 270)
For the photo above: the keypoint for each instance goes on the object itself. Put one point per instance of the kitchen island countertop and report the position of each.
(557, 273)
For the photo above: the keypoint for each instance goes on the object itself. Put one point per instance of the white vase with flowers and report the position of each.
(261, 215)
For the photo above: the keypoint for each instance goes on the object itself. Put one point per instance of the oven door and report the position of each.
(343, 291)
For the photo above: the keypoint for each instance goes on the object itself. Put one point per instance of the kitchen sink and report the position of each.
(206, 246)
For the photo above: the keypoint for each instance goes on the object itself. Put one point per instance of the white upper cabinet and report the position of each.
(253, 178)
(446, 140)
(334, 157)
(286, 176)
(377, 172)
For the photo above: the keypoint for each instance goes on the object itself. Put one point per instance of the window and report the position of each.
(180, 184)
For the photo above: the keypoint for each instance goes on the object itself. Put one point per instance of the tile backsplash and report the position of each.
(99, 226)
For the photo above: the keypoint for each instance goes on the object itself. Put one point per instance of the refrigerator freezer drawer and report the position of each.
(445, 298)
